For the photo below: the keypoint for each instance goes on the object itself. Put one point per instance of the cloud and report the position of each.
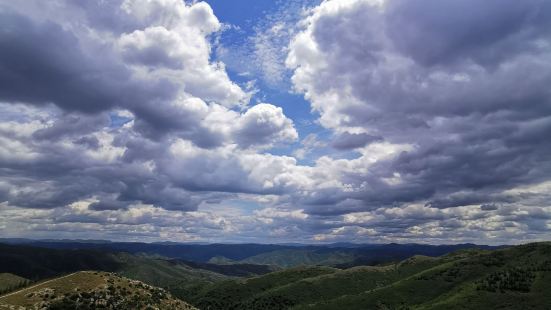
(457, 87)
(264, 124)
(61, 145)
(108, 204)
(52, 59)
(488, 207)
(42, 63)
(347, 140)
(262, 55)
(503, 30)
(441, 127)
(309, 143)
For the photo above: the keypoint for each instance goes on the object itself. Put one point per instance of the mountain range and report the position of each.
(255, 276)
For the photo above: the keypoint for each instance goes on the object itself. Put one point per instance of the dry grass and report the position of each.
(91, 288)
(84, 280)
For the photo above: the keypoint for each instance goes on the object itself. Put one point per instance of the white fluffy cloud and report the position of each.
(265, 124)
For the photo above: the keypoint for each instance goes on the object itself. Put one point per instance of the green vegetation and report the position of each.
(221, 260)
(37, 263)
(10, 282)
(179, 279)
(232, 294)
(453, 284)
(280, 290)
(509, 278)
(301, 257)
(512, 278)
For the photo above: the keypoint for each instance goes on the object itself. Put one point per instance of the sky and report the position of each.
(366, 121)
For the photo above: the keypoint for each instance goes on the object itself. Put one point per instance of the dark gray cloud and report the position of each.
(88, 141)
(462, 82)
(348, 140)
(445, 32)
(489, 207)
(74, 125)
(46, 61)
(43, 63)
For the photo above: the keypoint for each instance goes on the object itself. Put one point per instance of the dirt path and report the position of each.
(36, 285)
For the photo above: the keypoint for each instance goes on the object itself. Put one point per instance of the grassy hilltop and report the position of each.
(92, 290)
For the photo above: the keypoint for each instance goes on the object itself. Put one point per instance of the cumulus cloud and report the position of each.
(61, 134)
(265, 124)
(438, 123)
(456, 86)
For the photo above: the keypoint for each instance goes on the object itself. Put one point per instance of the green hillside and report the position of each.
(232, 294)
(339, 283)
(512, 278)
(301, 257)
(37, 263)
(91, 290)
(180, 279)
(10, 281)
(509, 278)
(280, 290)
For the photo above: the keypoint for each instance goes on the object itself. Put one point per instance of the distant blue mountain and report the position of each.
(362, 254)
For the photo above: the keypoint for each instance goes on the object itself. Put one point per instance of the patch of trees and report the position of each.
(545, 266)
(496, 259)
(276, 302)
(511, 279)
(449, 274)
(15, 287)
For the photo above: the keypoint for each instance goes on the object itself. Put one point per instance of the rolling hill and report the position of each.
(37, 263)
(232, 294)
(511, 278)
(180, 277)
(92, 290)
(300, 257)
(341, 254)
(9, 282)
(516, 277)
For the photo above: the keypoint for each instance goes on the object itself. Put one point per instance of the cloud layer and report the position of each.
(94, 103)
(117, 123)
(467, 91)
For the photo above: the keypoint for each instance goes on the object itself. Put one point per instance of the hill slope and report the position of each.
(92, 290)
(180, 277)
(299, 257)
(347, 255)
(10, 281)
(232, 294)
(511, 278)
(38, 263)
